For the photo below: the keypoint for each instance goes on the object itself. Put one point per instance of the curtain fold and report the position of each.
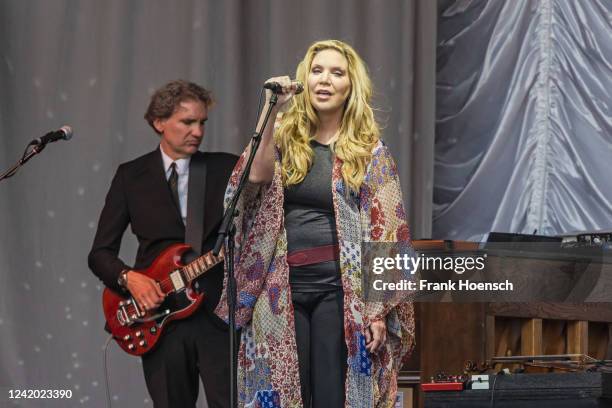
(524, 117)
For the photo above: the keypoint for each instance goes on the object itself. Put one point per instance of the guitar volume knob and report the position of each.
(127, 337)
(139, 334)
(142, 343)
(131, 347)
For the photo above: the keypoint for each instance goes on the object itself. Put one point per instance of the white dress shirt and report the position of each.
(182, 168)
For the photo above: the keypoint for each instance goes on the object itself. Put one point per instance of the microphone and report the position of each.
(277, 88)
(64, 133)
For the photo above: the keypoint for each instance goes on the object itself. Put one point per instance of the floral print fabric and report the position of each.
(267, 361)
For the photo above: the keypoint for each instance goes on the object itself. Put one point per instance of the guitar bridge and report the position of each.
(177, 280)
(128, 312)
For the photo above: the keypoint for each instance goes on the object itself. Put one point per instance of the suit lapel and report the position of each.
(195, 202)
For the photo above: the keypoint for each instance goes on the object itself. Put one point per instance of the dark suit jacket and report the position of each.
(140, 196)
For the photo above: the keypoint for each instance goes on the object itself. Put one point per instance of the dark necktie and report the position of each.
(173, 183)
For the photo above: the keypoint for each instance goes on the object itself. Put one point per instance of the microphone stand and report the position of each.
(26, 156)
(227, 231)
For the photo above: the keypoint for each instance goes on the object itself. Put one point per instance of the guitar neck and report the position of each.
(200, 265)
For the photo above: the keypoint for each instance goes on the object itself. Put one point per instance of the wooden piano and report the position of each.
(449, 334)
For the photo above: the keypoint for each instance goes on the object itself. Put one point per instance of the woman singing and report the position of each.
(322, 183)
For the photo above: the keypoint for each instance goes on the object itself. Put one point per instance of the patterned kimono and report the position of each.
(268, 373)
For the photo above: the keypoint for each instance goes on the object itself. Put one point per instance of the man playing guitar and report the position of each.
(170, 196)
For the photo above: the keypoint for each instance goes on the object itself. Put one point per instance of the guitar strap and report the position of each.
(195, 203)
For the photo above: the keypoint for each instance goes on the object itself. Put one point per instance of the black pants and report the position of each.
(194, 348)
(319, 329)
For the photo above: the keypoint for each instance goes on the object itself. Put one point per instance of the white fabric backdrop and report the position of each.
(524, 117)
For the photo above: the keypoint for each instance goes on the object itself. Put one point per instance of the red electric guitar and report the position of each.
(136, 330)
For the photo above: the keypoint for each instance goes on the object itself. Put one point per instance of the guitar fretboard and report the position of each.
(200, 265)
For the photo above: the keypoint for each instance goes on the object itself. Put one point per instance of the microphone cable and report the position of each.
(259, 105)
(259, 109)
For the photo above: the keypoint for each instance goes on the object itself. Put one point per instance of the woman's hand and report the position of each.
(289, 89)
(376, 335)
(262, 170)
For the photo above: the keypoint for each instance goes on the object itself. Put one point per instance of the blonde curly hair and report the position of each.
(359, 131)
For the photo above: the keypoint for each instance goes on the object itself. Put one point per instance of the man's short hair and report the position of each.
(167, 99)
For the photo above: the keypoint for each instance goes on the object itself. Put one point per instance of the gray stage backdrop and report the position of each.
(94, 64)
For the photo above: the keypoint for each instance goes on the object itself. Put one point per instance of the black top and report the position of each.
(310, 222)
